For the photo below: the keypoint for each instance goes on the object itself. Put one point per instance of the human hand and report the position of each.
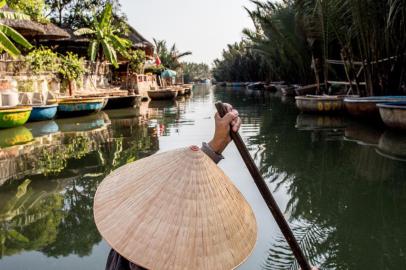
(224, 125)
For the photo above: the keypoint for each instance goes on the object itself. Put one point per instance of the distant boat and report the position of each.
(72, 107)
(167, 93)
(256, 86)
(320, 104)
(14, 116)
(119, 102)
(365, 107)
(43, 112)
(393, 114)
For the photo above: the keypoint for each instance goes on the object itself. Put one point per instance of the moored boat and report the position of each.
(72, 107)
(167, 93)
(320, 104)
(43, 112)
(120, 102)
(256, 86)
(14, 116)
(393, 114)
(365, 107)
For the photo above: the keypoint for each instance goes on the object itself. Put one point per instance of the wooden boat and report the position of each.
(14, 116)
(72, 107)
(393, 114)
(120, 102)
(256, 86)
(320, 104)
(167, 93)
(43, 112)
(365, 107)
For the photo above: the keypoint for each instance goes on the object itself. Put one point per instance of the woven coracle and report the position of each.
(175, 210)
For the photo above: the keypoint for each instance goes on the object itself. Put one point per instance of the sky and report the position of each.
(204, 27)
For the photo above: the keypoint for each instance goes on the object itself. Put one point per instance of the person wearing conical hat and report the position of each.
(212, 150)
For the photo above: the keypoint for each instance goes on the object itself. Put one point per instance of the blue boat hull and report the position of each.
(79, 108)
(42, 113)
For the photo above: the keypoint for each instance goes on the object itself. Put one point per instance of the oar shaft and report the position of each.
(266, 194)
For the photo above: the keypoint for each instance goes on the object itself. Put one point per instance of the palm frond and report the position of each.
(15, 36)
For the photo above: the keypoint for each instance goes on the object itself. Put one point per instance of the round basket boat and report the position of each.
(14, 116)
(164, 213)
(393, 114)
(162, 94)
(43, 112)
(365, 107)
(320, 104)
(73, 107)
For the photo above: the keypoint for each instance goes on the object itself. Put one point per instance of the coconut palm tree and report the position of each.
(170, 57)
(8, 35)
(107, 35)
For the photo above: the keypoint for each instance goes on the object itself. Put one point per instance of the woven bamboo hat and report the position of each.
(175, 210)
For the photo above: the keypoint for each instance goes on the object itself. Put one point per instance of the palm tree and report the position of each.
(8, 34)
(170, 57)
(106, 34)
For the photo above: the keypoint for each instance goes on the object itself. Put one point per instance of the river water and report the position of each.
(341, 184)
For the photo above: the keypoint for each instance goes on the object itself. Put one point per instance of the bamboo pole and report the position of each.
(266, 194)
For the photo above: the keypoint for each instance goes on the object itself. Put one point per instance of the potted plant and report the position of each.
(71, 69)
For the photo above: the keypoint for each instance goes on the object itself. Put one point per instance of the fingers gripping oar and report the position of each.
(266, 194)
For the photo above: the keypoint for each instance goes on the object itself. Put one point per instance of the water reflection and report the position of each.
(50, 172)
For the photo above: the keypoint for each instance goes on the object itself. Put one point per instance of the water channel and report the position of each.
(340, 183)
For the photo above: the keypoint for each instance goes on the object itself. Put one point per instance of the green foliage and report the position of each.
(43, 60)
(240, 63)
(195, 71)
(157, 70)
(289, 34)
(33, 8)
(170, 57)
(79, 14)
(136, 60)
(8, 35)
(72, 67)
(106, 35)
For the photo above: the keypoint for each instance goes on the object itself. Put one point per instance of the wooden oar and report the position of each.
(266, 194)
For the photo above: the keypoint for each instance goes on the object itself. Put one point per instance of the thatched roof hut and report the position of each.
(34, 30)
(140, 42)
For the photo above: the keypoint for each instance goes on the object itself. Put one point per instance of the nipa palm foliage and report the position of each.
(367, 36)
(107, 35)
(8, 35)
(281, 43)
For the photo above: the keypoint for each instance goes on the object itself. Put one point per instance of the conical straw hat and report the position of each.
(175, 210)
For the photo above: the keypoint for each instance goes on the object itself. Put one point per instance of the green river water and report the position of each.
(341, 184)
